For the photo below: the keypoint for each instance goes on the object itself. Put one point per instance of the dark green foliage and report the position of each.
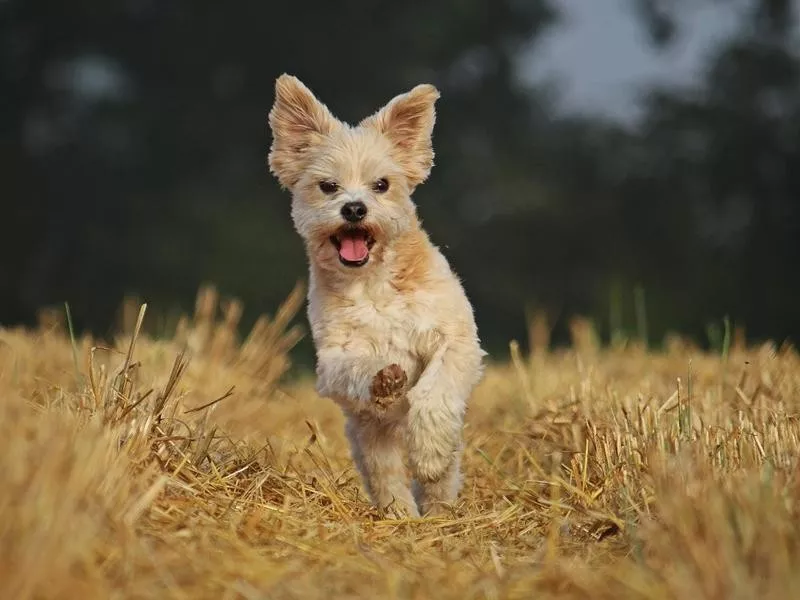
(158, 183)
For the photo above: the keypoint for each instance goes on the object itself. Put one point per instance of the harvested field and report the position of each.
(141, 471)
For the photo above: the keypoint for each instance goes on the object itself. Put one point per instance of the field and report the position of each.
(133, 469)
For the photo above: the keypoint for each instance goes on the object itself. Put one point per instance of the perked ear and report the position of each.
(407, 120)
(298, 121)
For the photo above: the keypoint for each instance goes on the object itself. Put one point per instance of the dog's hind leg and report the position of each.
(377, 450)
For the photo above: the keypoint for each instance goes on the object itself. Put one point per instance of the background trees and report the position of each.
(133, 141)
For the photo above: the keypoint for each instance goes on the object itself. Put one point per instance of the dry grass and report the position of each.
(138, 472)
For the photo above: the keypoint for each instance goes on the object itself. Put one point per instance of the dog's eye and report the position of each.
(328, 187)
(381, 186)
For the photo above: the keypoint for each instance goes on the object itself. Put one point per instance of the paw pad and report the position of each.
(389, 382)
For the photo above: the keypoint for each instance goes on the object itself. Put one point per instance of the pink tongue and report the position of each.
(353, 249)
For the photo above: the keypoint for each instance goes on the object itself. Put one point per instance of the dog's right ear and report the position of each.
(298, 121)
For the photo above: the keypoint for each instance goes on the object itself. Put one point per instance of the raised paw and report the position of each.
(388, 385)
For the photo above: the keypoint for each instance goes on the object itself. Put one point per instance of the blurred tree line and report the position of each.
(133, 142)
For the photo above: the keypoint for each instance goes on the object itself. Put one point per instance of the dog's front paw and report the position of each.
(396, 512)
(388, 386)
(430, 464)
(434, 438)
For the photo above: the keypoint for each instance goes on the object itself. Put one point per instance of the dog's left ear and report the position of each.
(407, 120)
(298, 121)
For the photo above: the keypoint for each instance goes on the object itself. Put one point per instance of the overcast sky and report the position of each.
(600, 53)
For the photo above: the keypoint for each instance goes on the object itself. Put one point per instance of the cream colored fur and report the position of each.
(404, 307)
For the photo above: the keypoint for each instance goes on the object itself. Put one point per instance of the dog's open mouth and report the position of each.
(353, 245)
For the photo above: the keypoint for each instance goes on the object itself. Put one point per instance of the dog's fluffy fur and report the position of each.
(396, 342)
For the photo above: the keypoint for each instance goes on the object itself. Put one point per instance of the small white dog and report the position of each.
(396, 342)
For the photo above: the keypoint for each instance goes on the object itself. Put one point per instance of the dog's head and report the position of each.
(351, 185)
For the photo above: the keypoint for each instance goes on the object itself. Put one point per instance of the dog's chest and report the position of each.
(378, 324)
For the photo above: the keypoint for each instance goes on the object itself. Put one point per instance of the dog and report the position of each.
(396, 342)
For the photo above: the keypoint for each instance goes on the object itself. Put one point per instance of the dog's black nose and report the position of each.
(354, 211)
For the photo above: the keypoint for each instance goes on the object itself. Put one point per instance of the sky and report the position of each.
(600, 54)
